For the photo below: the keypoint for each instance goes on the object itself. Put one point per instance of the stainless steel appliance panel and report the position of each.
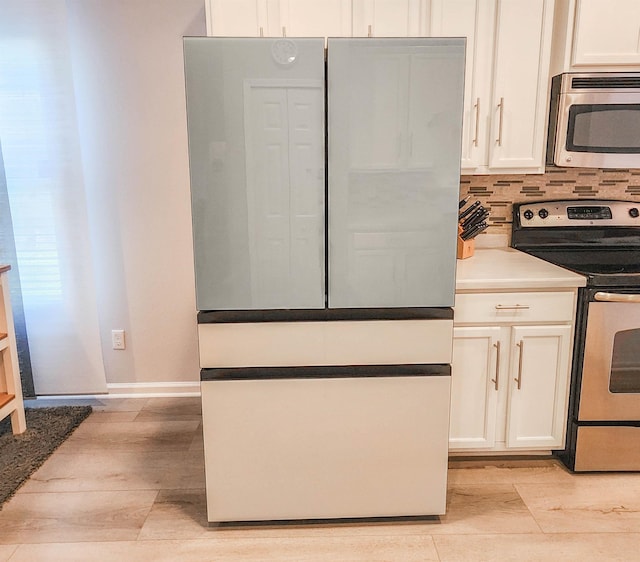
(611, 370)
(607, 448)
(601, 240)
(594, 120)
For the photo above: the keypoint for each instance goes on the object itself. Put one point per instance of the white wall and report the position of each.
(129, 86)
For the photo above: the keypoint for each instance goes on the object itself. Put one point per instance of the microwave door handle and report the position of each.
(616, 297)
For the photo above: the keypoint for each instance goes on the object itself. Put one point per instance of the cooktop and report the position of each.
(596, 238)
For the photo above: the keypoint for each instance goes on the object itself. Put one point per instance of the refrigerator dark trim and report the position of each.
(323, 315)
(324, 372)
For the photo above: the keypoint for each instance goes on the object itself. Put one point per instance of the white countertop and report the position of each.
(509, 269)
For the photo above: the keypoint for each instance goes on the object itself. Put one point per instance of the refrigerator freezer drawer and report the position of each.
(325, 448)
(281, 344)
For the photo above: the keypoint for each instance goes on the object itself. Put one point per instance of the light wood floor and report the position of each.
(128, 485)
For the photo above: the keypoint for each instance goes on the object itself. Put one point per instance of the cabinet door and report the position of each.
(475, 382)
(392, 216)
(311, 18)
(539, 380)
(606, 32)
(236, 18)
(472, 19)
(520, 84)
(390, 18)
(255, 113)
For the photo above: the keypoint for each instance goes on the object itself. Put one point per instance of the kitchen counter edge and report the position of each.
(510, 269)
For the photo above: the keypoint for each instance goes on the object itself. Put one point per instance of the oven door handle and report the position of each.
(616, 297)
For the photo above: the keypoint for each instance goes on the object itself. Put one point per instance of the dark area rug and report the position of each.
(21, 455)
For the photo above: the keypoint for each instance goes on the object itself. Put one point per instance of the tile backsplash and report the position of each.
(498, 193)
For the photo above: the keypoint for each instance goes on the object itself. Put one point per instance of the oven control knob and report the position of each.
(633, 212)
(528, 214)
(543, 213)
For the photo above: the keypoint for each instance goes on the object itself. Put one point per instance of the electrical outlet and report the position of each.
(117, 339)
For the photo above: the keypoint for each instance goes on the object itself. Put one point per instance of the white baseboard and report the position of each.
(136, 390)
(153, 389)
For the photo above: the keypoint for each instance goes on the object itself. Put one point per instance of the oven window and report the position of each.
(625, 362)
(608, 128)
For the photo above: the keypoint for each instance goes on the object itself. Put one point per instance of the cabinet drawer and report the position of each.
(514, 307)
(285, 344)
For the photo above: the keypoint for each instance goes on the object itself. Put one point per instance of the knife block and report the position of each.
(465, 247)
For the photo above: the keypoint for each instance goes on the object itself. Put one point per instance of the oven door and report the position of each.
(611, 370)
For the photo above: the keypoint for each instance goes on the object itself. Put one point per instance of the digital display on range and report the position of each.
(588, 213)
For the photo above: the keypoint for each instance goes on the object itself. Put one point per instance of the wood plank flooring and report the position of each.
(128, 485)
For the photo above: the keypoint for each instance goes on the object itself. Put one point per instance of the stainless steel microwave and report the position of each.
(594, 120)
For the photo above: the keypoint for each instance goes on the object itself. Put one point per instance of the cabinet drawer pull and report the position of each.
(520, 344)
(477, 108)
(495, 381)
(512, 307)
(501, 106)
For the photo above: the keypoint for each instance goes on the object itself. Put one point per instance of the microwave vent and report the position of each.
(605, 82)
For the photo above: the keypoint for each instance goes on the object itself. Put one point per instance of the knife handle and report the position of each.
(468, 210)
(475, 218)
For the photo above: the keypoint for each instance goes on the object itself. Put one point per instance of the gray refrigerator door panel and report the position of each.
(394, 133)
(255, 111)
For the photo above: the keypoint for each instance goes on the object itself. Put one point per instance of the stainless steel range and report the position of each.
(601, 240)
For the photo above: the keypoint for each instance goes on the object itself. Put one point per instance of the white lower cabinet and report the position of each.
(510, 374)
(474, 398)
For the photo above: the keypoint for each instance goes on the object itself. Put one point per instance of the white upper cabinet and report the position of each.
(506, 89)
(279, 18)
(237, 18)
(391, 18)
(310, 18)
(318, 18)
(507, 62)
(472, 19)
(597, 35)
(520, 99)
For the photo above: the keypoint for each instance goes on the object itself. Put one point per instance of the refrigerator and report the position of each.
(324, 183)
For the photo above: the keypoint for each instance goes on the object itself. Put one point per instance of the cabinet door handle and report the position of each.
(520, 344)
(261, 31)
(477, 108)
(495, 381)
(501, 106)
(512, 307)
(284, 31)
(369, 32)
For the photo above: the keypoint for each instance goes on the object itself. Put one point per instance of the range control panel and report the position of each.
(579, 213)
